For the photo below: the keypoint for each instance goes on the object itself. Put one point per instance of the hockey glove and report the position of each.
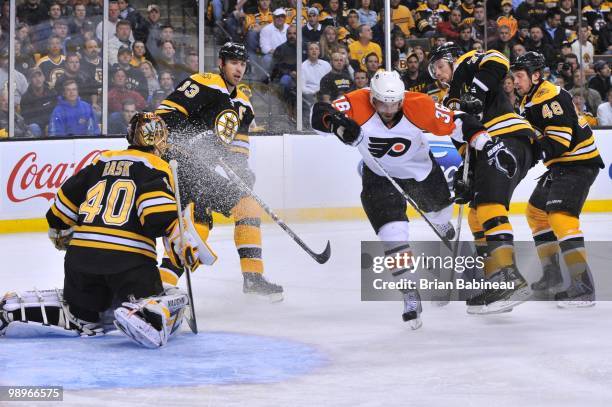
(345, 128)
(60, 238)
(471, 104)
(500, 156)
(462, 189)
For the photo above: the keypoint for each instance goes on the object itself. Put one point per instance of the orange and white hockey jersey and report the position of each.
(402, 150)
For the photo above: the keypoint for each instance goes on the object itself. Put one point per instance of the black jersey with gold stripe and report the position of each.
(563, 136)
(202, 102)
(482, 74)
(117, 206)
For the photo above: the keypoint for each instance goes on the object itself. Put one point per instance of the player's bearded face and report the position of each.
(522, 82)
(387, 110)
(233, 71)
(442, 70)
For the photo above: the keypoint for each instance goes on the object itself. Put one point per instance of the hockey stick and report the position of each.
(319, 257)
(191, 321)
(399, 189)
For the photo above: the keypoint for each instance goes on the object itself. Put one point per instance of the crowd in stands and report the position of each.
(58, 77)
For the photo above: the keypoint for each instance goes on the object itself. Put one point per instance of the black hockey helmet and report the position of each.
(233, 50)
(449, 51)
(530, 62)
(148, 130)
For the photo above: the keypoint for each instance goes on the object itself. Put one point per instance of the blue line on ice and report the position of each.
(112, 361)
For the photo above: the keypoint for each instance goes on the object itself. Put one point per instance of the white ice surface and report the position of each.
(537, 355)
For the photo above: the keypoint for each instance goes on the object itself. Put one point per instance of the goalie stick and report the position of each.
(191, 319)
(319, 257)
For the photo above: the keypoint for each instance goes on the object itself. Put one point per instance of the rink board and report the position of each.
(303, 177)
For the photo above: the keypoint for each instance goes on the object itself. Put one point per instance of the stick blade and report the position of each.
(324, 256)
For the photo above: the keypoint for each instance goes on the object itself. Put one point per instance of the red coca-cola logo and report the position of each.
(31, 179)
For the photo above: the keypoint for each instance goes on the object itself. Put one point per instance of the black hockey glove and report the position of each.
(470, 104)
(345, 128)
(500, 156)
(462, 189)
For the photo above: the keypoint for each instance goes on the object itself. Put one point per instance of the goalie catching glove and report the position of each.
(193, 250)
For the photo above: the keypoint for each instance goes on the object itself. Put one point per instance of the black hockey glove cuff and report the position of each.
(470, 104)
(501, 157)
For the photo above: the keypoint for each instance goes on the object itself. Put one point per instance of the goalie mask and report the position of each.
(148, 130)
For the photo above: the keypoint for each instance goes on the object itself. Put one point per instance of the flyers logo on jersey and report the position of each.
(226, 125)
(395, 147)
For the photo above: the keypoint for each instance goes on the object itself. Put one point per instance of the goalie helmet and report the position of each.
(530, 62)
(449, 51)
(148, 130)
(387, 87)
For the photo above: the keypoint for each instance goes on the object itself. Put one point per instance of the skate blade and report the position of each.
(547, 294)
(440, 304)
(517, 298)
(272, 298)
(415, 323)
(575, 304)
(480, 310)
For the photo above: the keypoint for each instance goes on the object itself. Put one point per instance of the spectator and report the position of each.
(192, 63)
(505, 42)
(604, 111)
(119, 92)
(537, 44)
(77, 21)
(119, 121)
(313, 70)
(566, 49)
(350, 32)
(271, 36)
(588, 51)
(467, 9)
(253, 23)
(450, 29)
(518, 49)
(42, 31)
(511, 93)
(566, 68)
(72, 71)
(152, 25)
(439, 40)
(166, 82)
(113, 18)
(361, 79)
(601, 81)
(22, 36)
(336, 82)
(20, 129)
(569, 14)
(507, 18)
(420, 53)
(32, 13)
(72, 116)
(372, 64)
(38, 102)
(135, 78)
(332, 15)
(582, 112)
(133, 16)
(401, 16)
(415, 80)
(343, 49)
(554, 33)
(23, 62)
(150, 75)
(91, 64)
(366, 14)
(138, 54)
(60, 29)
(67, 9)
(479, 25)
(604, 43)
(428, 15)
(531, 11)
(591, 97)
(523, 32)
(5, 19)
(168, 61)
(466, 39)
(76, 42)
(595, 14)
(329, 42)
(311, 32)
(400, 50)
(359, 49)
(157, 98)
(155, 45)
(21, 83)
(123, 31)
(285, 57)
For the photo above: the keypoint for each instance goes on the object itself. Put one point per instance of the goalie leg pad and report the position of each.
(41, 313)
(151, 321)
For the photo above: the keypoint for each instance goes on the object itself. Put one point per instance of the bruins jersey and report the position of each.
(117, 206)
(427, 19)
(563, 137)
(202, 102)
(482, 74)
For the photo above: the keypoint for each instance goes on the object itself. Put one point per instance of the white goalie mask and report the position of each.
(387, 92)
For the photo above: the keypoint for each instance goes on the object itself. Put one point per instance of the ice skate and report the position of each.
(256, 284)
(551, 282)
(412, 308)
(580, 293)
(496, 301)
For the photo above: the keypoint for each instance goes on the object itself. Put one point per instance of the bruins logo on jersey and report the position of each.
(226, 125)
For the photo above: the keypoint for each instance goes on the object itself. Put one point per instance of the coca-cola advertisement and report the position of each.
(32, 171)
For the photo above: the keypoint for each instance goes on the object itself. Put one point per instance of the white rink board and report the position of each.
(293, 171)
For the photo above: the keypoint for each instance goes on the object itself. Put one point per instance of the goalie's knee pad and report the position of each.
(41, 313)
(151, 321)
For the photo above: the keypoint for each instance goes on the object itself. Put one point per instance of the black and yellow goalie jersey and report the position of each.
(116, 206)
(482, 75)
(201, 103)
(563, 137)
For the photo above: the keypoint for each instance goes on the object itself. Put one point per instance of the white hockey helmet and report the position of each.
(387, 87)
